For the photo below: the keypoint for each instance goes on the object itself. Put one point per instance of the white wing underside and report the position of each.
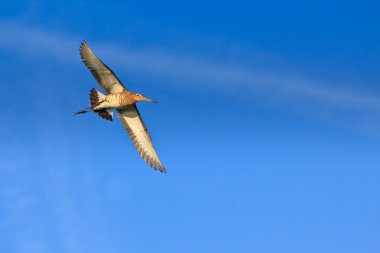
(107, 80)
(132, 122)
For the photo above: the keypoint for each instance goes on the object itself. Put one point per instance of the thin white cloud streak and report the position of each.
(197, 72)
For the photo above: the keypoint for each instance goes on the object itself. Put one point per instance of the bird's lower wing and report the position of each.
(132, 122)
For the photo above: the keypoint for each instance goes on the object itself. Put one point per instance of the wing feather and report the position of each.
(133, 123)
(107, 80)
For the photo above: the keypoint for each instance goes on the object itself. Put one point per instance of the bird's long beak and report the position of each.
(150, 100)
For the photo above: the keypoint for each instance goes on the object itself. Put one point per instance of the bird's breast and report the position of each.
(119, 100)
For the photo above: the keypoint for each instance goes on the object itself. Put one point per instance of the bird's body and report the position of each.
(124, 101)
(116, 101)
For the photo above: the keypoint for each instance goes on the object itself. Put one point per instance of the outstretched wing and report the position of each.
(107, 80)
(131, 120)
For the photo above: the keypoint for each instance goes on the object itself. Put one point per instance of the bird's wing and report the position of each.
(133, 123)
(107, 80)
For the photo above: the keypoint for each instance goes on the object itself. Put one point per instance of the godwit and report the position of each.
(124, 101)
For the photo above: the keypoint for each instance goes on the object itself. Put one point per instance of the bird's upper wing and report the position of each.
(131, 120)
(107, 80)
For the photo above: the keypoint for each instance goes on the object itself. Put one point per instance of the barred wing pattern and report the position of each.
(107, 80)
(132, 122)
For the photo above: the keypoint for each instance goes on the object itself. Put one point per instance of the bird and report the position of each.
(122, 100)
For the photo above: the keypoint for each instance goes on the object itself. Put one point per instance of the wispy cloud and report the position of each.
(198, 72)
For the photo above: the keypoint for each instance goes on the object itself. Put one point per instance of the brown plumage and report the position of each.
(124, 101)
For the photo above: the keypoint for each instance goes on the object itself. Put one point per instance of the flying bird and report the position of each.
(123, 101)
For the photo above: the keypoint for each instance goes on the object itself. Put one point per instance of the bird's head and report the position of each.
(139, 97)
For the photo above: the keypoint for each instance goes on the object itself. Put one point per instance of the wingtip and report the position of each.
(162, 169)
(83, 44)
(159, 167)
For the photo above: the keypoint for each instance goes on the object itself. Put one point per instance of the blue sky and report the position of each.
(268, 125)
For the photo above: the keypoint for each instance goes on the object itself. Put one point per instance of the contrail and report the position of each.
(198, 72)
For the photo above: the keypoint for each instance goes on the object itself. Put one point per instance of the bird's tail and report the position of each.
(96, 97)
